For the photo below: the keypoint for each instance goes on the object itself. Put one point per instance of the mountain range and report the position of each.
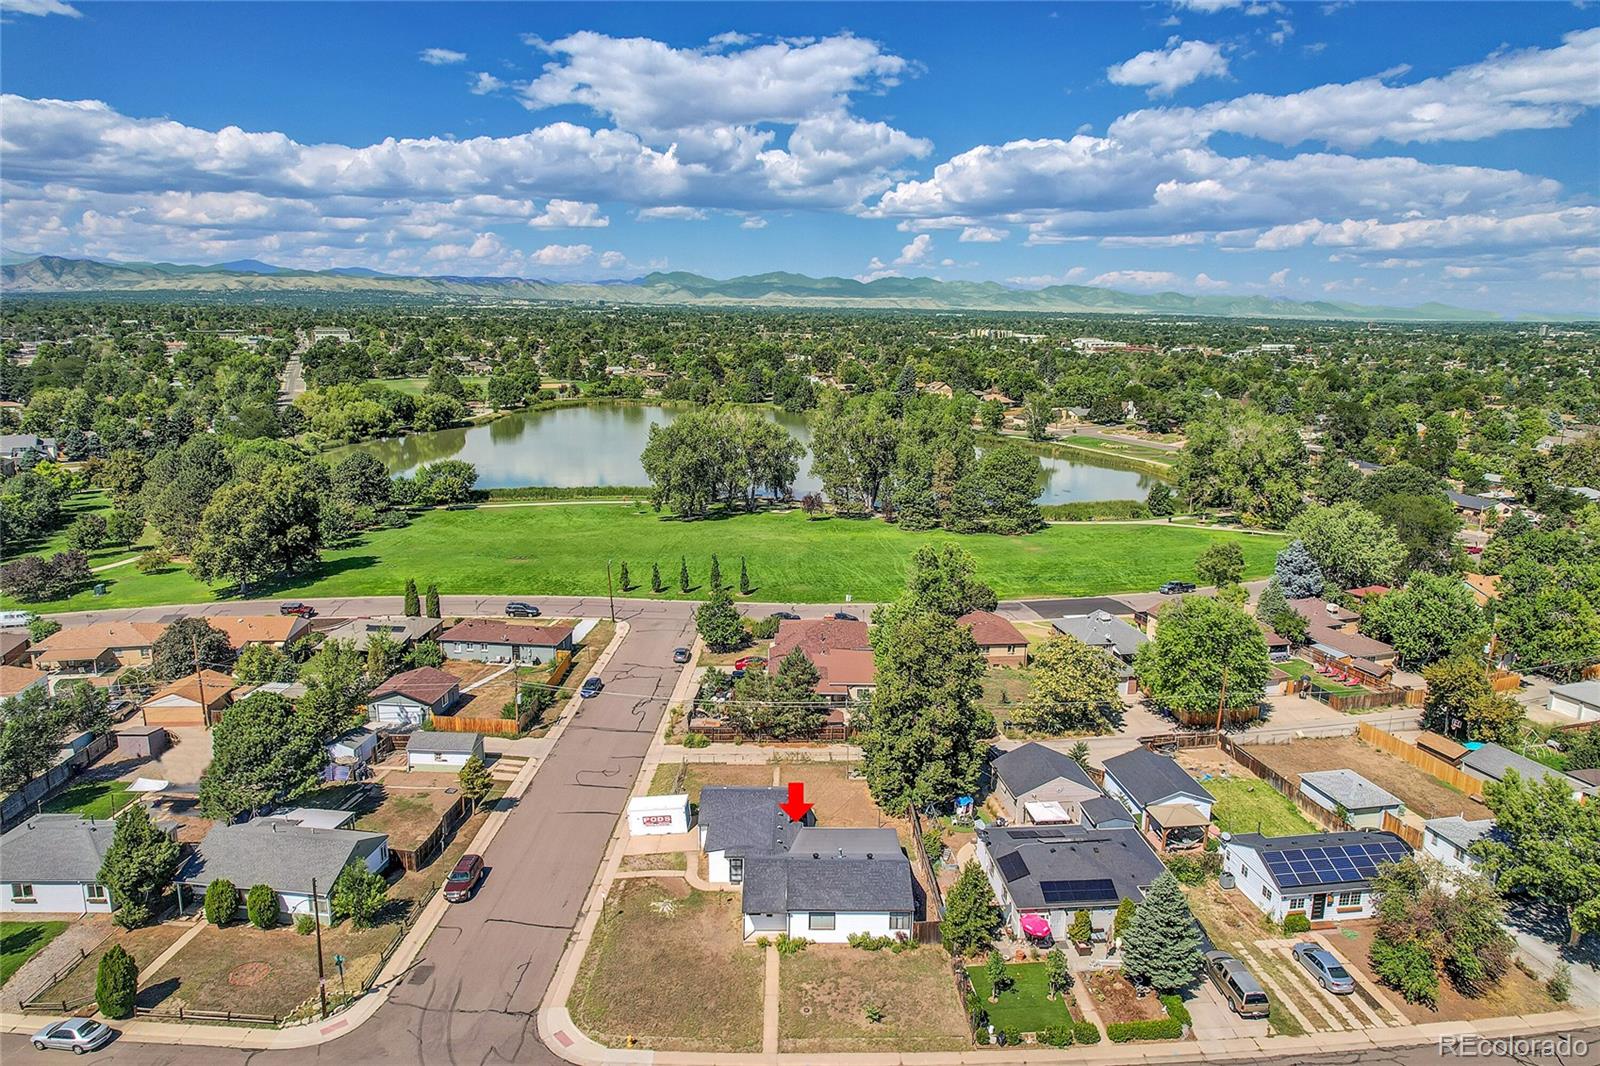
(56, 275)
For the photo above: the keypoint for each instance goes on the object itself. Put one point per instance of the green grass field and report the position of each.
(1024, 1005)
(1245, 805)
(1298, 668)
(94, 799)
(21, 941)
(562, 550)
(93, 501)
(414, 386)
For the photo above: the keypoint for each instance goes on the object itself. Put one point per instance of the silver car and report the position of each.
(1325, 967)
(77, 1035)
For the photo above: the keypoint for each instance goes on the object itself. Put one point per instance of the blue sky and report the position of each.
(1380, 153)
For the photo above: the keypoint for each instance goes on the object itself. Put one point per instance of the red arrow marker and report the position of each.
(797, 806)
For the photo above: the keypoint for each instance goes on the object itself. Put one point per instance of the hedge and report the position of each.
(1176, 1010)
(1155, 1029)
(1085, 1033)
(1092, 510)
(565, 492)
(1295, 922)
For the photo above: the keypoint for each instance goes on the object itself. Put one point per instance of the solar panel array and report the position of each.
(1012, 867)
(1096, 890)
(1331, 864)
(1038, 834)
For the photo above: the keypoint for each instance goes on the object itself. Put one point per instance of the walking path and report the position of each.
(769, 1005)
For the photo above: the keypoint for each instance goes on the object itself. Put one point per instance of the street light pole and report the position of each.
(322, 978)
(609, 594)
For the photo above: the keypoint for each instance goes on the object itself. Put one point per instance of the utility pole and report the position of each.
(609, 594)
(200, 680)
(1222, 699)
(322, 979)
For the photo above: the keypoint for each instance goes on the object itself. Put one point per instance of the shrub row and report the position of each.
(1070, 1033)
(1154, 1029)
(1176, 1010)
(1090, 510)
(564, 492)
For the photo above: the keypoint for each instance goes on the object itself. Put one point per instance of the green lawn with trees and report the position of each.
(563, 551)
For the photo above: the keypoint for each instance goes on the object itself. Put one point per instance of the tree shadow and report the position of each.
(151, 996)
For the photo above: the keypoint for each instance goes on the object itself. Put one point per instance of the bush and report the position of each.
(1176, 1010)
(1012, 1037)
(1085, 1033)
(222, 902)
(305, 925)
(874, 1013)
(765, 628)
(261, 906)
(1090, 510)
(868, 942)
(1056, 1035)
(1195, 869)
(977, 1014)
(697, 740)
(790, 945)
(1155, 1029)
(116, 983)
(1560, 984)
(1296, 923)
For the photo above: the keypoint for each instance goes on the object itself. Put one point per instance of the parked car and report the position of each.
(680, 655)
(463, 880)
(77, 1035)
(12, 619)
(1172, 588)
(521, 610)
(845, 616)
(1325, 967)
(1238, 986)
(786, 616)
(1474, 549)
(304, 610)
(748, 661)
(591, 687)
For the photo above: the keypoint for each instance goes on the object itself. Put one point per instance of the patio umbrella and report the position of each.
(1036, 925)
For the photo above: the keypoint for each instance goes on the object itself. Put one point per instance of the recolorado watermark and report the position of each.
(1473, 1046)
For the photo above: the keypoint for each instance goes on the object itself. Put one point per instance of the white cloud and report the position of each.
(1168, 69)
(1207, 7)
(875, 270)
(569, 214)
(915, 251)
(1278, 278)
(612, 260)
(1041, 281)
(561, 255)
(1462, 271)
(484, 83)
(1137, 279)
(675, 212)
(982, 235)
(753, 222)
(1430, 236)
(441, 57)
(40, 7)
(730, 39)
(1209, 284)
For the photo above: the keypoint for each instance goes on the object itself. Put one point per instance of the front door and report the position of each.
(1319, 906)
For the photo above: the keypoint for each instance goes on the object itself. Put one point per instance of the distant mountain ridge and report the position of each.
(59, 275)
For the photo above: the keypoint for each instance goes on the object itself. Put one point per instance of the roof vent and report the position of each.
(869, 854)
(815, 855)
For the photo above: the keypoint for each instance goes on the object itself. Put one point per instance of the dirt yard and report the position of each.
(826, 990)
(1116, 1001)
(1423, 794)
(667, 969)
(143, 944)
(674, 777)
(408, 805)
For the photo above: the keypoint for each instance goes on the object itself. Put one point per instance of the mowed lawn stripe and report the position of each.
(563, 551)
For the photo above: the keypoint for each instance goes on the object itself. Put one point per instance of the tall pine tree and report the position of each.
(1161, 946)
(683, 573)
(744, 578)
(716, 575)
(433, 600)
(655, 579)
(413, 603)
(625, 581)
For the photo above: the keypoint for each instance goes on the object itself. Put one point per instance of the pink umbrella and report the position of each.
(1036, 925)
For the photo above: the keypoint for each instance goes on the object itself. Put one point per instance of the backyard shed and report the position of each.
(141, 741)
(442, 751)
(1364, 804)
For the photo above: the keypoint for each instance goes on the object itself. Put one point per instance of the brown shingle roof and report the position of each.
(425, 683)
(837, 647)
(90, 641)
(13, 679)
(493, 631)
(989, 629)
(260, 629)
(218, 688)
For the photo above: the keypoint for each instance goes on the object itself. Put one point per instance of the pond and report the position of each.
(600, 443)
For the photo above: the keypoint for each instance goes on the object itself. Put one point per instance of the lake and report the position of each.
(600, 443)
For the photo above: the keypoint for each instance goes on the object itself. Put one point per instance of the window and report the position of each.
(736, 871)
(1297, 903)
(1349, 899)
(900, 921)
(21, 892)
(97, 894)
(1266, 893)
(1244, 873)
(821, 920)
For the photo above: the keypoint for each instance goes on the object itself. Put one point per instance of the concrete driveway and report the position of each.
(1214, 1019)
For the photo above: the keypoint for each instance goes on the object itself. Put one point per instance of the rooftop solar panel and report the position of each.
(1086, 891)
(1012, 867)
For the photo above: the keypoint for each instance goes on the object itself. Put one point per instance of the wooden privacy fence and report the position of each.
(935, 897)
(1410, 834)
(1366, 701)
(1505, 680)
(1415, 756)
(454, 723)
(721, 733)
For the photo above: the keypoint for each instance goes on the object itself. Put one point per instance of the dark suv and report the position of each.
(1172, 588)
(521, 610)
(459, 886)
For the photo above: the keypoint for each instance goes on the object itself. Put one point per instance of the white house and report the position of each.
(1579, 701)
(832, 883)
(1364, 803)
(1164, 797)
(50, 864)
(442, 751)
(286, 855)
(1325, 876)
(739, 823)
(411, 698)
(1055, 871)
(1449, 839)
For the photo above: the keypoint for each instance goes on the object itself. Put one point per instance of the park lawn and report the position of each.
(90, 501)
(1142, 452)
(415, 386)
(1298, 668)
(563, 551)
(1247, 805)
(1024, 1005)
(93, 799)
(21, 941)
(825, 990)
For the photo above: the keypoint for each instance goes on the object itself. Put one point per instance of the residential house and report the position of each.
(1491, 762)
(1579, 701)
(1473, 509)
(276, 630)
(829, 885)
(1450, 839)
(489, 640)
(1055, 871)
(101, 648)
(292, 691)
(410, 698)
(837, 647)
(1325, 876)
(1033, 783)
(15, 680)
(14, 446)
(446, 752)
(50, 864)
(401, 629)
(284, 854)
(1114, 637)
(1364, 803)
(1001, 642)
(196, 700)
(1331, 631)
(1485, 587)
(1279, 648)
(738, 823)
(14, 645)
(1167, 801)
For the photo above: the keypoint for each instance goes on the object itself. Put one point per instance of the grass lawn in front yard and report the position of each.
(668, 968)
(1298, 668)
(1024, 1006)
(92, 799)
(1004, 688)
(550, 551)
(21, 941)
(1250, 805)
(825, 990)
(144, 944)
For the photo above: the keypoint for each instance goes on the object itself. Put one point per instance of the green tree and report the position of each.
(259, 664)
(1081, 931)
(744, 578)
(1207, 654)
(625, 581)
(655, 579)
(1546, 846)
(1426, 620)
(719, 622)
(1352, 545)
(475, 780)
(1273, 610)
(716, 574)
(1126, 909)
(1451, 919)
(360, 479)
(124, 527)
(943, 578)
(187, 645)
(999, 978)
(683, 574)
(257, 529)
(336, 685)
(138, 866)
(1221, 564)
(1455, 684)
(1296, 570)
(1162, 944)
(432, 601)
(358, 894)
(1160, 500)
(116, 983)
(784, 705)
(221, 902)
(971, 916)
(34, 727)
(1039, 415)
(383, 655)
(1074, 690)
(262, 753)
(413, 605)
(1057, 973)
(87, 532)
(261, 906)
(1244, 461)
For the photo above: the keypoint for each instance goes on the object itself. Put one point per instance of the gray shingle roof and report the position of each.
(787, 883)
(1102, 810)
(852, 843)
(1458, 831)
(746, 821)
(1071, 853)
(1103, 630)
(1583, 691)
(55, 848)
(1350, 788)
(1025, 768)
(1151, 778)
(272, 851)
(1491, 762)
(445, 743)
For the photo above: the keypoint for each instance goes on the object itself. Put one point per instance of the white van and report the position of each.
(11, 619)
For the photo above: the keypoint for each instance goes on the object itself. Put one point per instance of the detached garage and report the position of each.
(442, 751)
(1579, 701)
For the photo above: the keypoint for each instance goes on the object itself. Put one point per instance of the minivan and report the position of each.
(1243, 992)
